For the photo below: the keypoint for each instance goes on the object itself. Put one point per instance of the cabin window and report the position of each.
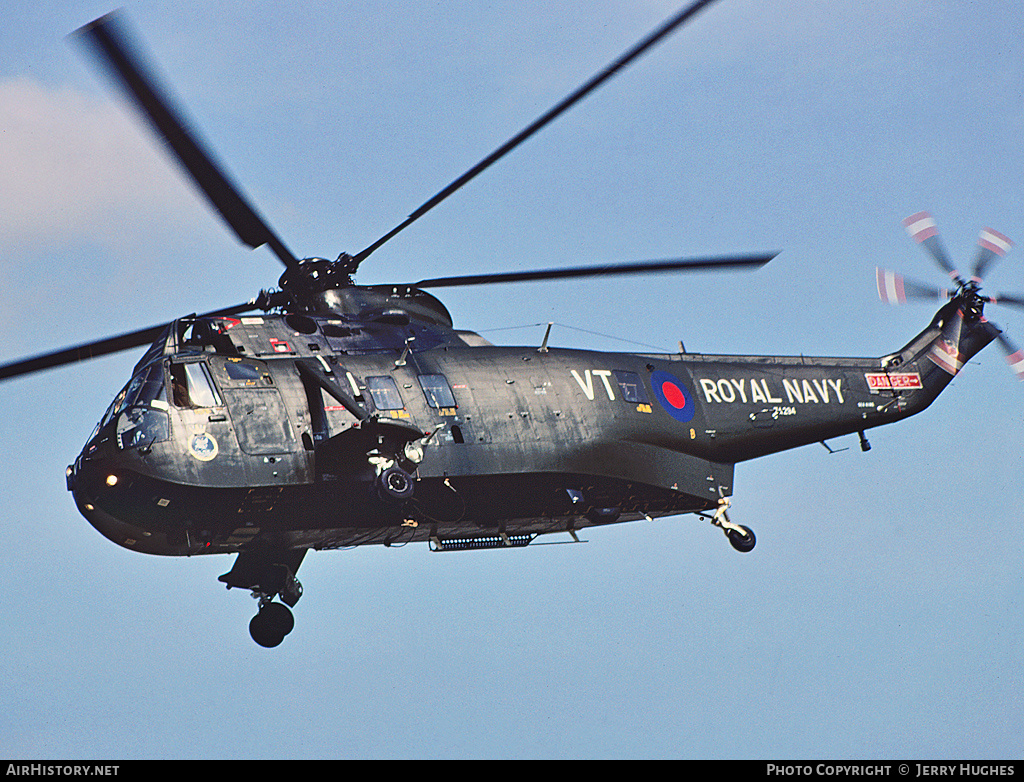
(437, 391)
(338, 332)
(385, 393)
(240, 371)
(192, 386)
(631, 386)
(247, 373)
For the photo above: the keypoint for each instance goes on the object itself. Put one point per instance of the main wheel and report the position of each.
(269, 627)
(742, 541)
(395, 484)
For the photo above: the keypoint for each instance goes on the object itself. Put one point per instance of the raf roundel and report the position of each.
(673, 396)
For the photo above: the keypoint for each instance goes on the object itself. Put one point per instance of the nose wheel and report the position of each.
(268, 573)
(273, 622)
(740, 537)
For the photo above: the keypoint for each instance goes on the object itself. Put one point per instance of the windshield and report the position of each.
(141, 406)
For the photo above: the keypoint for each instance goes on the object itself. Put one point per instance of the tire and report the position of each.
(269, 627)
(744, 541)
(395, 485)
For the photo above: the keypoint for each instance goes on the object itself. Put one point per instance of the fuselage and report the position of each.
(278, 428)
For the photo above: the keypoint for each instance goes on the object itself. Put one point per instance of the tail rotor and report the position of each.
(894, 288)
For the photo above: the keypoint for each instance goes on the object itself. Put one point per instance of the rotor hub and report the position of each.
(310, 276)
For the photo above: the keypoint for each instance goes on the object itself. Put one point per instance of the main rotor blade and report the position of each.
(652, 39)
(638, 267)
(101, 347)
(109, 40)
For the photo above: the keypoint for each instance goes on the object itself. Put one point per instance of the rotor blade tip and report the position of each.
(920, 226)
(995, 241)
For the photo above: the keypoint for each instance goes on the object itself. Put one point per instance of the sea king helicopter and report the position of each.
(325, 414)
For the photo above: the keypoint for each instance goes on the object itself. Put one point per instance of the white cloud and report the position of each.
(73, 166)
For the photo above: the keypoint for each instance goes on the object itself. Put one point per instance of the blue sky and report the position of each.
(879, 615)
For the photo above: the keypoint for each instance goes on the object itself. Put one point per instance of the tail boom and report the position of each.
(750, 406)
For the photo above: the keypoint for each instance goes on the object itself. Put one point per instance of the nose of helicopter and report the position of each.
(97, 489)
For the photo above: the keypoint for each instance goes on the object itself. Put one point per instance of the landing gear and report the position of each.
(273, 622)
(268, 573)
(740, 537)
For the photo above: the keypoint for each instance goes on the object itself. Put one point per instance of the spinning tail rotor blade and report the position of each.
(991, 245)
(1012, 301)
(922, 229)
(109, 40)
(1014, 356)
(894, 288)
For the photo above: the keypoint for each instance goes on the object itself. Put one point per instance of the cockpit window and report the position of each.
(192, 386)
(142, 426)
(129, 392)
(385, 393)
(209, 332)
(116, 405)
(152, 390)
(157, 349)
(139, 409)
(142, 390)
(146, 387)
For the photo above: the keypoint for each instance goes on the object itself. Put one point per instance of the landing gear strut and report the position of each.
(740, 537)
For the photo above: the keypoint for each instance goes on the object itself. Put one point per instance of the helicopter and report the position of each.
(325, 415)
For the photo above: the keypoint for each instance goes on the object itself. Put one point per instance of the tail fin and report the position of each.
(945, 349)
